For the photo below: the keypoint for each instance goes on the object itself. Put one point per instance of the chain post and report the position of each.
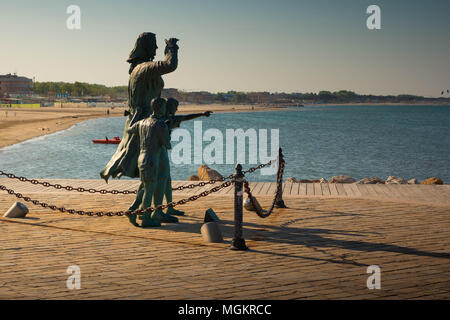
(279, 202)
(238, 242)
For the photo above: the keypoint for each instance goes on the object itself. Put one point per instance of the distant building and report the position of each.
(13, 84)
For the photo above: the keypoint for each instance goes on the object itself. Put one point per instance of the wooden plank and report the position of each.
(333, 189)
(295, 189)
(372, 192)
(418, 193)
(272, 189)
(407, 192)
(348, 190)
(317, 189)
(302, 189)
(258, 187)
(289, 186)
(394, 193)
(325, 189)
(341, 190)
(265, 188)
(381, 190)
(356, 191)
(431, 193)
(309, 189)
(362, 188)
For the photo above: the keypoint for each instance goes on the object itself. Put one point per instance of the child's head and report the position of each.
(171, 106)
(159, 106)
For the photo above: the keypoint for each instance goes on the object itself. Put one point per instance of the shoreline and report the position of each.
(19, 125)
(393, 104)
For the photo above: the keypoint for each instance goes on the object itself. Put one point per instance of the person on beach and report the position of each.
(154, 140)
(172, 121)
(145, 84)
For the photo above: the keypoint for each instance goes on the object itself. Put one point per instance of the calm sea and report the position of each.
(359, 141)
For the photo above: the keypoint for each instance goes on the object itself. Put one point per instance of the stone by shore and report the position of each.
(369, 180)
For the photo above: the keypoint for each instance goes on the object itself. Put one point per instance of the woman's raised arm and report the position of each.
(170, 62)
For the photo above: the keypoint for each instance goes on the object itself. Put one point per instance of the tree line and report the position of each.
(78, 89)
(82, 89)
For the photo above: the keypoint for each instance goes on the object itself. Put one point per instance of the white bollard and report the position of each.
(17, 210)
(211, 232)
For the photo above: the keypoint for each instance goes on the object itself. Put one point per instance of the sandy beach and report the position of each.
(17, 125)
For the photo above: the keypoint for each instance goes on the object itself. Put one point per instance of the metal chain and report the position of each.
(68, 188)
(264, 213)
(103, 191)
(117, 213)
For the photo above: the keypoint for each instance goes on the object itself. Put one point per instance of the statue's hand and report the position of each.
(172, 43)
(207, 113)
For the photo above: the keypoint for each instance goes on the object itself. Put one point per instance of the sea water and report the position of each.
(317, 141)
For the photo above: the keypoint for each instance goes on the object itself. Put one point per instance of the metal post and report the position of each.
(279, 201)
(238, 242)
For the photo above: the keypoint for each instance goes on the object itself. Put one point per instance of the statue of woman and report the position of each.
(145, 84)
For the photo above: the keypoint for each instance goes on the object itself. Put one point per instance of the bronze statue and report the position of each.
(143, 150)
(145, 84)
(172, 121)
(154, 140)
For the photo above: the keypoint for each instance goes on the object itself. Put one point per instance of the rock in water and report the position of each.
(371, 181)
(17, 210)
(413, 181)
(205, 173)
(342, 179)
(291, 179)
(193, 178)
(433, 180)
(395, 180)
(211, 232)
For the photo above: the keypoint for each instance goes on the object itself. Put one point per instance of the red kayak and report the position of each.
(115, 140)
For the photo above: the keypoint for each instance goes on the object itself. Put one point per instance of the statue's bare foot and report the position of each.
(160, 216)
(147, 221)
(132, 218)
(174, 212)
(169, 218)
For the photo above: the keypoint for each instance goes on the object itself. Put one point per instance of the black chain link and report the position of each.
(103, 191)
(122, 213)
(264, 213)
(117, 213)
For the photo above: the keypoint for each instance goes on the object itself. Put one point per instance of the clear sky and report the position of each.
(244, 45)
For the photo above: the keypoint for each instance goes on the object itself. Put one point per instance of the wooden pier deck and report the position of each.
(427, 194)
(318, 248)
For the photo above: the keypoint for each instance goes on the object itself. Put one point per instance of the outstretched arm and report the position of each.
(191, 116)
(170, 62)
